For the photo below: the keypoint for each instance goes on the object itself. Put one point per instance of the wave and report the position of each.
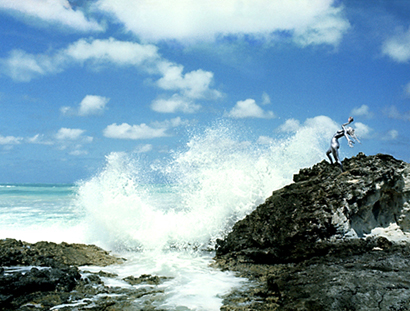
(216, 179)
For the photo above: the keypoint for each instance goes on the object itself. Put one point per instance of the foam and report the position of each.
(216, 179)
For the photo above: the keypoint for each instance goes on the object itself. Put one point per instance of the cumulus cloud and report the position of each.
(393, 113)
(90, 105)
(362, 130)
(194, 84)
(21, 66)
(174, 104)
(39, 139)
(144, 148)
(121, 53)
(249, 109)
(320, 126)
(72, 140)
(307, 21)
(141, 131)
(51, 11)
(398, 47)
(362, 111)
(10, 140)
(126, 131)
(391, 135)
(189, 86)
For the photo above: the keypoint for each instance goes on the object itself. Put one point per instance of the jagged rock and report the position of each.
(56, 280)
(308, 247)
(323, 204)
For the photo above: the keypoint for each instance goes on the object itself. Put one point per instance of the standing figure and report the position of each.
(334, 144)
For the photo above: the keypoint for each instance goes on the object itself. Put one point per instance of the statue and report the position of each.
(334, 144)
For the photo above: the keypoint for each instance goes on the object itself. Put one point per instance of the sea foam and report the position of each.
(217, 178)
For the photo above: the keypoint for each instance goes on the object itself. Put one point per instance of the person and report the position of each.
(334, 144)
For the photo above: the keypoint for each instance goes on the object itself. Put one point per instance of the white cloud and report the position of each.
(393, 113)
(249, 109)
(192, 85)
(90, 105)
(362, 130)
(362, 111)
(21, 66)
(174, 104)
(39, 139)
(308, 21)
(319, 125)
(10, 140)
(126, 131)
(121, 53)
(144, 148)
(51, 11)
(398, 47)
(142, 131)
(67, 134)
(265, 99)
(391, 135)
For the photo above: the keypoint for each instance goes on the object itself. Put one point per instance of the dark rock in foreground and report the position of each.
(306, 246)
(18, 253)
(56, 280)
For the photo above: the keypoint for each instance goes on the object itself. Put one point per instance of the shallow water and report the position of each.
(163, 215)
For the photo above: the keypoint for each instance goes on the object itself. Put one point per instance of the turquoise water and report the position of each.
(166, 229)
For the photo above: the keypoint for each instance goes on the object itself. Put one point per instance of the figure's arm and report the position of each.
(350, 120)
(349, 141)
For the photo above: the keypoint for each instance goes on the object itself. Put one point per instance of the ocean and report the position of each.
(164, 216)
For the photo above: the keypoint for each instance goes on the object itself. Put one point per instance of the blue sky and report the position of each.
(81, 79)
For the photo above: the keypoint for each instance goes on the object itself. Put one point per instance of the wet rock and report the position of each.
(324, 204)
(146, 279)
(45, 275)
(310, 247)
(14, 253)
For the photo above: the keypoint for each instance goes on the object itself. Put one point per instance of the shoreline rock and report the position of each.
(310, 246)
(44, 275)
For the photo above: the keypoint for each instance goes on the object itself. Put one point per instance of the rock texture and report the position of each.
(45, 275)
(309, 246)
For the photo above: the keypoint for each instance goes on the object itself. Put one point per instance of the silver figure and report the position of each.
(334, 144)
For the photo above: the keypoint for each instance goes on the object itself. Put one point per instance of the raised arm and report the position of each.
(350, 120)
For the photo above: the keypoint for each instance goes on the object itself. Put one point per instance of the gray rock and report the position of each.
(305, 248)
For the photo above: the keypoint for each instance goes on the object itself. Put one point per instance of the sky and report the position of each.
(81, 79)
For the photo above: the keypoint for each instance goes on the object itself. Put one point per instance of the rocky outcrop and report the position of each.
(45, 275)
(311, 245)
(19, 253)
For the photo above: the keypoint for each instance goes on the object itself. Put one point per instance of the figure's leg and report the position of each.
(336, 156)
(328, 155)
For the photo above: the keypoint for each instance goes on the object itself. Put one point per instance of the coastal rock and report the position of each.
(324, 204)
(45, 275)
(320, 243)
(14, 253)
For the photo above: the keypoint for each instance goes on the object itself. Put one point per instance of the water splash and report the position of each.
(216, 179)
